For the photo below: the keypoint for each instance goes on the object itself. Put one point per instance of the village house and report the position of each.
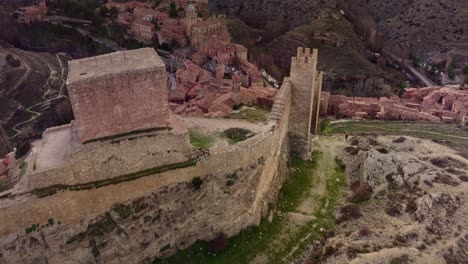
(143, 13)
(143, 31)
(208, 30)
(199, 58)
(437, 104)
(180, 55)
(228, 53)
(31, 14)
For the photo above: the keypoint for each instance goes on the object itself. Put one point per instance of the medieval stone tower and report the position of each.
(305, 101)
(192, 18)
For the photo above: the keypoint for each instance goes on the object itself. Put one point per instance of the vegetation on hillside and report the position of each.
(253, 241)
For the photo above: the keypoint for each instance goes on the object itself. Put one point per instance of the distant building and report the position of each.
(143, 30)
(228, 53)
(31, 14)
(203, 31)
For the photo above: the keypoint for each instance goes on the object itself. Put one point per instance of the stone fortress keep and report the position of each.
(118, 93)
(126, 148)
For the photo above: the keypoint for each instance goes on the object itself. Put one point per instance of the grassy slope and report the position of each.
(256, 240)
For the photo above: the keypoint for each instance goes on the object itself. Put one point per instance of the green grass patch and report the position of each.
(37, 227)
(324, 126)
(255, 114)
(243, 247)
(299, 241)
(200, 140)
(236, 135)
(23, 167)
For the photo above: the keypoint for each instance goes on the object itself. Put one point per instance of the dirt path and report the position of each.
(328, 146)
(304, 212)
(52, 77)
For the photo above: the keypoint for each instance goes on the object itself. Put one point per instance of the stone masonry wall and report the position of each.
(157, 215)
(98, 161)
(114, 104)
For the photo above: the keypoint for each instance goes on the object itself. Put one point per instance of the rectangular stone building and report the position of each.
(118, 93)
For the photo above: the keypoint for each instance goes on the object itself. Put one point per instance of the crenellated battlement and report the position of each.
(304, 56)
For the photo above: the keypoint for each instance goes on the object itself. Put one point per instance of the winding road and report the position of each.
(428, 82)
(45, 86)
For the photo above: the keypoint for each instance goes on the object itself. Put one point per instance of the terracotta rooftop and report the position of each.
(116, 62)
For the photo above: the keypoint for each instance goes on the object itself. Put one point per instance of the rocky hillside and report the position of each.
(31, 84)
(428, 29)
(257, 13)
(407, 203)
(285, 25)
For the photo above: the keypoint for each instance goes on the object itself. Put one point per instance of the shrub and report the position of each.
(236, 135)
(399, 140)
(400, 260)
(218, 244)
(352, 150)
(12, 61)
(196, 183)
(412, 206)
(340, 163)
(373, 142)
(354, 141)
(382, 150)
(393, 210)
(348, 212)
(323, 125)
(362, 191)
(50, 221)
(440, 162)
(365, 231)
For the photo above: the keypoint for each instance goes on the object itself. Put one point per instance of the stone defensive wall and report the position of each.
(102, 161)
(157, 214)
(435, 104)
